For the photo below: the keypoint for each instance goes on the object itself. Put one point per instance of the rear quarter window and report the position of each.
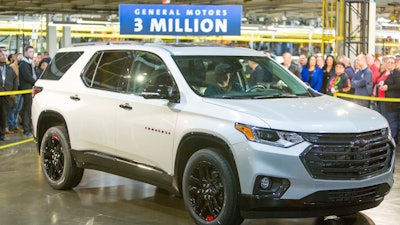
(60, 64)
(108, 69)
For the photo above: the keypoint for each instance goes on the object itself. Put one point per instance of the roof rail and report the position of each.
(105, 43)
(189, 44)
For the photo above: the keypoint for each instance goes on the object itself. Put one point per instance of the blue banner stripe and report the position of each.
(180, 19)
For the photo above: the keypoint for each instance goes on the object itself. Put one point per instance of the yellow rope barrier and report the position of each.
(20, 92)
(16, 143)
(366, 97)
(5, 93)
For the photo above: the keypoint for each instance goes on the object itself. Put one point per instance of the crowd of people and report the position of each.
(368, 76)
(19, 72)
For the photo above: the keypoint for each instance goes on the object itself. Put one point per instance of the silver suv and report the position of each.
(184, 118)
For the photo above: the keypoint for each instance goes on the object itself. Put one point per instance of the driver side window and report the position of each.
(148, 69)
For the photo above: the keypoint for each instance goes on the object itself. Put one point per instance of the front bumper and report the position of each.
(319, 204)
(305, 194)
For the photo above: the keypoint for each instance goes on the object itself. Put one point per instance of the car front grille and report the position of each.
(348, 156)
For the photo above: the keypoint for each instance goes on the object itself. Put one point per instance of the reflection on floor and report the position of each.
(104, 199)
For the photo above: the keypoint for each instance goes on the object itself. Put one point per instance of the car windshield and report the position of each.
(239, 77)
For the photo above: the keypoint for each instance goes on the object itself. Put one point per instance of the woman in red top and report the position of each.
(389, 63)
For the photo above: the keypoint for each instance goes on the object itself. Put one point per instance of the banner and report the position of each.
(188, 20)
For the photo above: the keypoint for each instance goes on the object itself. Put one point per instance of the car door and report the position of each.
(96, 128)
(145, 127)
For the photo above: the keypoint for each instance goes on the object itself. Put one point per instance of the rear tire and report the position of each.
(58, 166)
(210, 190)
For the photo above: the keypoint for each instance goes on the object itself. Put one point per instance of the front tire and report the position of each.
(210, 190)
(58, 166)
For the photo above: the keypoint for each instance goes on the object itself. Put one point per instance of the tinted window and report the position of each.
(60, 64)
(90, 69)
(111, 69)
(207, 78)
(148, 69)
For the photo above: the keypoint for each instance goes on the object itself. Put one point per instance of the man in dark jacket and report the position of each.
(287, 63)
(256, 74)
(362, 82)
(8, 82)
(27, 78)
(391, 86)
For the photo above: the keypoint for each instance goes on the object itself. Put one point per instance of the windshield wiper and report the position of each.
(228, 96)
(277, 95)
(233, 96)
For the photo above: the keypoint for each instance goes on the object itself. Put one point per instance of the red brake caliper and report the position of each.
(209, 218)
(54, 137)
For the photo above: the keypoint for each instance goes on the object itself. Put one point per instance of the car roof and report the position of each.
(178, 49)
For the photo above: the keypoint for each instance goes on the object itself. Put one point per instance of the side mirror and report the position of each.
(161, 92)
(155, 92)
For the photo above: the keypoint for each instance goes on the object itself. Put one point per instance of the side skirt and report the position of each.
(125, 168)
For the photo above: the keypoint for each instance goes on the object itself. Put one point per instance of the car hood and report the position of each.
(314, 114)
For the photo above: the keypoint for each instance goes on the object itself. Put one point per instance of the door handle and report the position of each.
(75, 98)
(126, 106)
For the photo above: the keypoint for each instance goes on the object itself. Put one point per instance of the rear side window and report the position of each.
(88, 72)
(108, 69)
(60, 64)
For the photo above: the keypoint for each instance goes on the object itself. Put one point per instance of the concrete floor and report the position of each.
(104, 199)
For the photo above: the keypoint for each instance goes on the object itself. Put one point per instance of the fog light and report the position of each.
(265, 183)
(270, 187)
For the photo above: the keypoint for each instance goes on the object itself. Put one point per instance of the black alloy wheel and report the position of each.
(58, 165)
(53, 158)
(209, 189)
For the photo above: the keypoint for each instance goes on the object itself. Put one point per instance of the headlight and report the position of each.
(267, 136)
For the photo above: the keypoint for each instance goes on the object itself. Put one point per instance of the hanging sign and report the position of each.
(180, 19)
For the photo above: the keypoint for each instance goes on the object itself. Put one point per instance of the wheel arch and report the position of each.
(46, 120)
(193, 142)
